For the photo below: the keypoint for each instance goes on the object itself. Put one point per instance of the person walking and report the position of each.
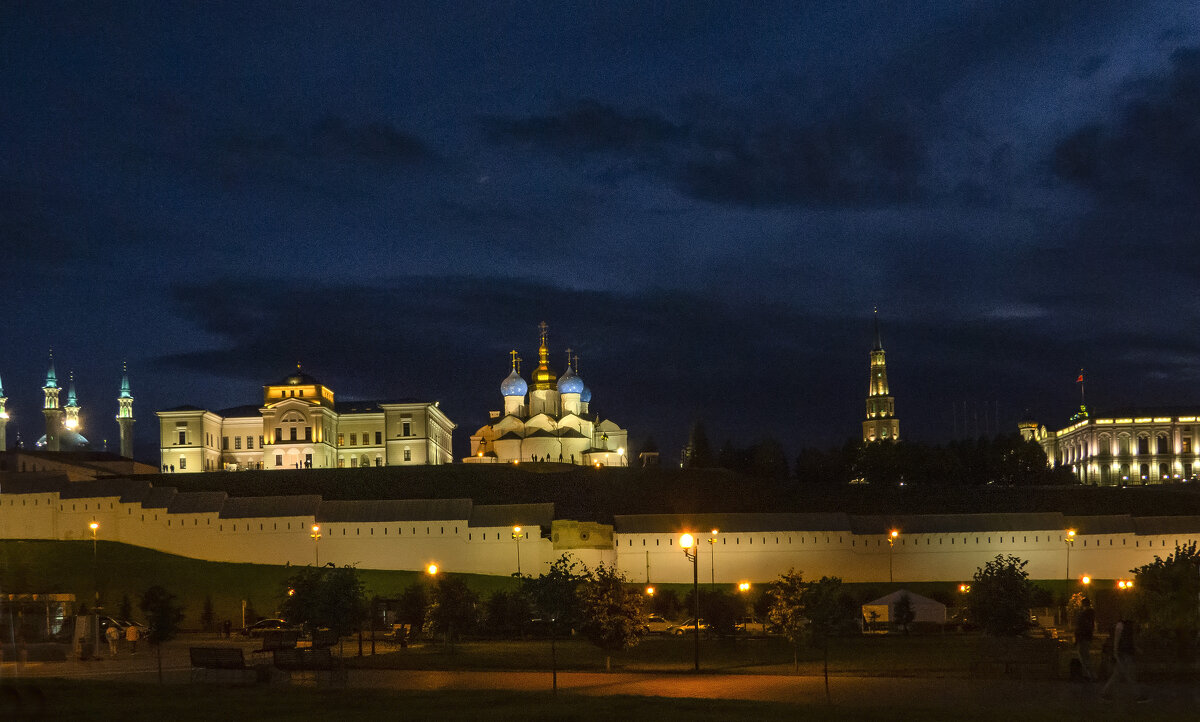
(132, 634)
(1085, 627)
(1124, 667)
(113, 635)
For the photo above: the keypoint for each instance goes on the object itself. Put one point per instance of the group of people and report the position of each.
(114, 635)
(1123, 652)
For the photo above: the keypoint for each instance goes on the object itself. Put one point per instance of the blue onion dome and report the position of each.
(514, 385)
(570, 383)
(586, 395)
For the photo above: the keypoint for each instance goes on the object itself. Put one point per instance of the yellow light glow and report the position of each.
(964, 588)
(71, 423)
(93, 526)
(316, 528)
(291, 592)
(686, 541)
(1085, 579)
(743, 586)
(895, 533)
(1070, 533)
(516, 530)
(650, 591)
(714, 532)
(620, 451)
(480, 454)
(431, 570)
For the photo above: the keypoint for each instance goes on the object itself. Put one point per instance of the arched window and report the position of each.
(1163, 444)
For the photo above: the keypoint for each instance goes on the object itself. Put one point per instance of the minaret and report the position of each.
(50, 409)
(125, 414)
(881, 423)
(72, 407)
(3, 420)
(543, 398)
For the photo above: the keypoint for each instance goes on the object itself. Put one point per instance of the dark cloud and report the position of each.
(333, 139)
(871, 156)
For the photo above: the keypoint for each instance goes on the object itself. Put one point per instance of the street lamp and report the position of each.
(743, 586)
(516, 535)
(891, 545)
(712, 559)
(316, 537)
(1070, 542)
(1085, 580)
(649, 591)
(691, 550)
(95, 526)
(432, 569)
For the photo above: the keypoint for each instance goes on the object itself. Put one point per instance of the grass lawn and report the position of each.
(932, 656)
(122, 569)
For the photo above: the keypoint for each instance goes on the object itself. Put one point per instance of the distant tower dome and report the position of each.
(586, 395)
(299, 379)
(67, 441)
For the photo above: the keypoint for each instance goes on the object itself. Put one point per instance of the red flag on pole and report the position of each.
(1080, 379)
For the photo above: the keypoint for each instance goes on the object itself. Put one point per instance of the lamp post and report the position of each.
(516, 535)
(316, 537)
(95, 526)
(712, 560)
(1070, 542)
(691, 550)
(892, 535)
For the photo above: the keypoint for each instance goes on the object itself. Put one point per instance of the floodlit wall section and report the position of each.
(655, 557)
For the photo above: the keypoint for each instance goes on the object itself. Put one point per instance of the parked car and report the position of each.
(687, 626)
(751, 626)
(120, 624)
(265, 625)
(656, 624)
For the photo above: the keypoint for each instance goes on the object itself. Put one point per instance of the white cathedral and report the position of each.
(550, 422)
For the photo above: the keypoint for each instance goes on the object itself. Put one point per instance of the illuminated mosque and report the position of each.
(550, 422)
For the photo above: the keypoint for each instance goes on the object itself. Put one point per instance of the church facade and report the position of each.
(550, 422)
(300, 425)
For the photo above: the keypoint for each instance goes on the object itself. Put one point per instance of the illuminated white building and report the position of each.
(881, 423)
(300, 426)
(550, 422)
(1138, 446)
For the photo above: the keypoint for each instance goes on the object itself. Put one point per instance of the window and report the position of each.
(249, 442)
(354, 439)
(183, 462)
(378, 460)
(1162, 445)
(341, 439)
(237, 443)
(279, 460)
(308, 461)
(308, 433)
(406, 428)
(353, 462)
(293, 434)
(182, 437)
(278, 435)
(408, 455)
(1187, 444)
(260, 441)
(378, 438)
(1144, 445)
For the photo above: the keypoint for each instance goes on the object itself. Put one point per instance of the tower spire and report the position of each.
(881, 423)
(125, 413)
(50, 410)
(3, 419)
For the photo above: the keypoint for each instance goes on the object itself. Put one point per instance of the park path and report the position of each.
(887, 694)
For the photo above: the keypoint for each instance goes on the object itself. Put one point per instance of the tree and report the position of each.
(699, 450)
(125, 608)
(1167, 590)
(613, 618)
(903, 612)
(1000, 597)
(829, 610)
(452, 608)
(325, 598)
(162, 619)
(720, 608)
(554, 595)
(506, 612)
(207, 617)
(786, 612)
(412, 606)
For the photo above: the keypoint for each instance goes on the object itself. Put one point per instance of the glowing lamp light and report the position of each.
(649, 591)
(686, 541)
(291, 592)
(743, 586)
(93, 526)
(1085, 579)
(964, 588)
(620, 451)
(480, 454)
(895, 534)
(316, 528)
(1071, 534)
(71, 423)
(431, 570)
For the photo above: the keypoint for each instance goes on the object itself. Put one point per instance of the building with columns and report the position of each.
(550, 422)
(300, 425)
(881, 423)
(1129, 446)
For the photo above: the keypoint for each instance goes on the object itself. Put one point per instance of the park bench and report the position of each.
(1017, 657)
(220, 660)
(313, 659)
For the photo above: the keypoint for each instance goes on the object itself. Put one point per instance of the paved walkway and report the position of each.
(886, 694)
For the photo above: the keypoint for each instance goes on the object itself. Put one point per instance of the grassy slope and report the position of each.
(66, 566)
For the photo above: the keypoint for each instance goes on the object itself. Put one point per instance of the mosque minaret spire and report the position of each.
(50, 408)
(125, 414)
(3, 419)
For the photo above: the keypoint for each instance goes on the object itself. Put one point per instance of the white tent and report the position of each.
(881, 613)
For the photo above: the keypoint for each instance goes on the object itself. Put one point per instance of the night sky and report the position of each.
(704, 200)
